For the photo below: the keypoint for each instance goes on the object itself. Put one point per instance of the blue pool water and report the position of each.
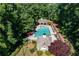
(42, 31)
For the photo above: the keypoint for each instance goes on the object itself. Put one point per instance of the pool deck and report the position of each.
(55, 35)
(57, 31)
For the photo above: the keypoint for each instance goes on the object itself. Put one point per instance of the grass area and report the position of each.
(24, 51)
(72, 50)
(18, 49)
(44, 53)
(29, 49)
(15, 52)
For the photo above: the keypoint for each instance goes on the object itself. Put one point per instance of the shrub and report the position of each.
(39, 53)
(47, 53)
(59, 48)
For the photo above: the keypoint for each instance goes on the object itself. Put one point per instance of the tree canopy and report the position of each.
(16, 19)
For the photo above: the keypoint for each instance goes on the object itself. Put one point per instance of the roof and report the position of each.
(42, 20)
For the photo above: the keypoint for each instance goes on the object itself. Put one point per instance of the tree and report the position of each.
(68, 20)
(59, 48)
(16, 19)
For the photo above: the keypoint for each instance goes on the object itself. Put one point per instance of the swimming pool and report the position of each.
(42, 31)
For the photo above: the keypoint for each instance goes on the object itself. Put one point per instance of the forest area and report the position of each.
(15, 19)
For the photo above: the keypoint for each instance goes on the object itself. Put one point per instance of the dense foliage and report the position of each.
(59, 48)
(68, 15)
(15, 19)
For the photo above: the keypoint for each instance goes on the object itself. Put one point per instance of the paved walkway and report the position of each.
(26, 52)
(60, 37)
